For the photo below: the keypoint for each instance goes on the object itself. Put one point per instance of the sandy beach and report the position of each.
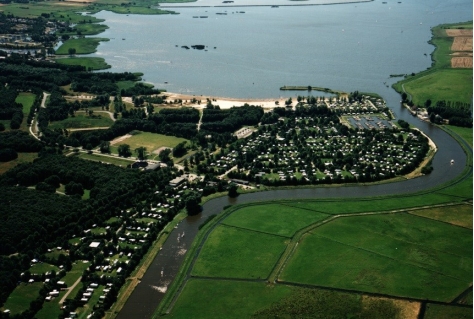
(225, 103)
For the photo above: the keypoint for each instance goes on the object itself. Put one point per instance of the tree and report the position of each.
(71, 51)
(191, 202)
(124, 150)
(164, 155)
(141, 153)
(180, 149)
(104, 147)
(233, 190)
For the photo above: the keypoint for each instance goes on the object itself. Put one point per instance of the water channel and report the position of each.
(346, 47)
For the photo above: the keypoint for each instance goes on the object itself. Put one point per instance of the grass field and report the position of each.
(22, 158)
(42, 268)
(460, 215)
(394, 254)
(375, 205)
(81, 120)
(229, 299)
(51, 309)
(27, 100)
(82, 45)
(87, 29)
(248, 254)
(463, 132)
(444, 84)
(89, 63)
(75, 273)
(105, 159)
(151, 141)
(273, 218)
(434, 311)
(19, 300)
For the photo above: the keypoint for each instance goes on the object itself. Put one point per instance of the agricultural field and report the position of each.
(279, 219)
(250, 254)
(434, 311)
(348, 261)
(460, 215)
(154, 143)
(444, 80)
(391, 254)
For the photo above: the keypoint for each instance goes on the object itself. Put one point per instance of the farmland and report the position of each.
(345, 260)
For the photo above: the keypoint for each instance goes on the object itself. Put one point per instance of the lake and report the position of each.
(251, 55)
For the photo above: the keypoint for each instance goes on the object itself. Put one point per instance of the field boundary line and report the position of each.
(373, 294)
(255, 231)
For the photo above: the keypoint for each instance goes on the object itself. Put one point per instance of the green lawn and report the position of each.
(42, 268)
(225, 299)
(237, 253)
(87, 29)
(151, 141)
(434, 311)
(81, 120)
(27, 100)
(273, 218)
(82, 45)
(395, 254)
(19, 300)
(89, 63)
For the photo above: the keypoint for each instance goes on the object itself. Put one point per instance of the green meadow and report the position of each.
(82, 45)
(394, 254)
(248, 254)
(434, 311)
(229, 299)
(275, 219)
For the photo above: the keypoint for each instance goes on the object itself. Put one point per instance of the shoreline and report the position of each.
(225, 102)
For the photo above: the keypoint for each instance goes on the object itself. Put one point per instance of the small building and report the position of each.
(177, 181)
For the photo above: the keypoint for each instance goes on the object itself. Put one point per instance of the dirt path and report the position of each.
(69, 290)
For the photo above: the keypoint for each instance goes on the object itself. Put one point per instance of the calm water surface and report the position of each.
(346, 47)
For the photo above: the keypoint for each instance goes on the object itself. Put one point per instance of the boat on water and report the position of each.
(274, 6)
